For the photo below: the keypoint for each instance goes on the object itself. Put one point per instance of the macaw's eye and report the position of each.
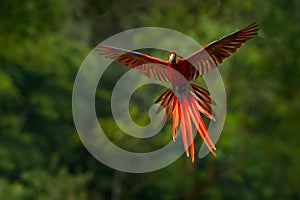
(173, 58)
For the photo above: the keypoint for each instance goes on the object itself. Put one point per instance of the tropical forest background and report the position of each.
(42, 45)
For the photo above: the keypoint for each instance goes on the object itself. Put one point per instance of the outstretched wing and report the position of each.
(149, 66)
(214, 53)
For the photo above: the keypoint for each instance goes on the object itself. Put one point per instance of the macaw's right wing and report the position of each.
(149, 66)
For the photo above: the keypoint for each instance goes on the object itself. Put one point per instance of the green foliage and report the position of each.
(44, 42)
(39, 184)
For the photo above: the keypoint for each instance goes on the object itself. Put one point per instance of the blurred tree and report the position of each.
(37, 68)
(42, 45)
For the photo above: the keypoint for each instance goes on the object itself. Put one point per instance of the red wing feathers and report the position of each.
(214, 53)
(222, 48)
(149, 66)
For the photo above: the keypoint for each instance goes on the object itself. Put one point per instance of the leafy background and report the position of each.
(42, 46)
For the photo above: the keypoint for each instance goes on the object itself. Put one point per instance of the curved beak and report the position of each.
(172, 57)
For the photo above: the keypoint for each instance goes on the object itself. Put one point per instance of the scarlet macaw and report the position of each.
(184, 106)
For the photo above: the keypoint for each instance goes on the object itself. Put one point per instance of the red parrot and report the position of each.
(185, 106)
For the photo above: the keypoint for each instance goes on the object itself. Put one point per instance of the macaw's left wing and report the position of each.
(209, 56)
(149, 66)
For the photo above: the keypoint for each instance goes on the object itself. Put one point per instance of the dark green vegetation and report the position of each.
(42, 47)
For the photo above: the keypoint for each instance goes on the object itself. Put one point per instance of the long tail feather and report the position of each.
(175, 114)
(185, 111)
(202, 130)
(188, 125)
(197, 120)
(183, 130)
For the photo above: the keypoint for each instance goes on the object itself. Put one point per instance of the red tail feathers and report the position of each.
(184, 109)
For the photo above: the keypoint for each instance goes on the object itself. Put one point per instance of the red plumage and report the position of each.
(183, 104)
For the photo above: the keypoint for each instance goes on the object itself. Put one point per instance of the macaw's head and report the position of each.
(173, 57)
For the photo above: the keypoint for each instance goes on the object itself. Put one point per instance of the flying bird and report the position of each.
(184, 105)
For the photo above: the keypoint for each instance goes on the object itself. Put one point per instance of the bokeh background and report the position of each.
(42, 44)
